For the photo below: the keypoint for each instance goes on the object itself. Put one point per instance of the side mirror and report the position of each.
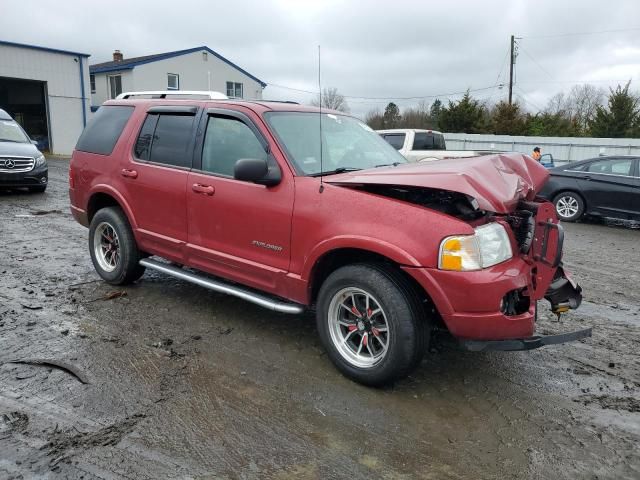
(35, 142)
(257, 170)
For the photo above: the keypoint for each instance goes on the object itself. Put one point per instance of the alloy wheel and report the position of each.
(359, 327)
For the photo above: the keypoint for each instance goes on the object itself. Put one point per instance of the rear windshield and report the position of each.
(102, 132)
(10, 131)
(428, 141)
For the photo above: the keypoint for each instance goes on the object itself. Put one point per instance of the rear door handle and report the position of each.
(129, 173)
(206, 189)
(586, 177)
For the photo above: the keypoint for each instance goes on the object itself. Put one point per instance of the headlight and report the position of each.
(40, 160)
(489, 246)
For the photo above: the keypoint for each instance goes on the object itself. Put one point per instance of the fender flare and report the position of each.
(403, 259)
(112, 192)
(359, 242)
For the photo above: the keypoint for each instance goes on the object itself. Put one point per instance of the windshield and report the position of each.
(347, 143)
(10, 131)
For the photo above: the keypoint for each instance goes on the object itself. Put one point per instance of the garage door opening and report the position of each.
(25, 101)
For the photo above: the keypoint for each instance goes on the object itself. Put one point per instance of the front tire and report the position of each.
(371, 323)
(113, 248)
(569, 206)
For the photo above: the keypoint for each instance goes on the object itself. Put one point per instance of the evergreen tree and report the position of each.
(621, 117)
(391, 116)
(464, 116)
(508, 119)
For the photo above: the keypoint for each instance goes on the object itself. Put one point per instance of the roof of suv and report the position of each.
(405, 130)
(259, 106)
(4, 115)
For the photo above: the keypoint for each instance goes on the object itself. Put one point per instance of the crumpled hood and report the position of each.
(497, 182)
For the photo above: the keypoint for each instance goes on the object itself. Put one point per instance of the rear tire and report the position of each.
(371, 323)
(569, 206)
(113, 248)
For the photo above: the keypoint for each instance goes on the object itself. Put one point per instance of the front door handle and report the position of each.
(586, 177)
(206, 189)
(129, 173)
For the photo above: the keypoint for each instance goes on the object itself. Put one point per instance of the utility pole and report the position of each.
(511, 65)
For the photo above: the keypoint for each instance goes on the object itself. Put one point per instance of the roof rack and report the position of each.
(183, 94)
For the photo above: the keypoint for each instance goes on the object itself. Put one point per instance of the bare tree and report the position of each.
(583, 102)
(558, 104)
(331, 99)
(375, 119)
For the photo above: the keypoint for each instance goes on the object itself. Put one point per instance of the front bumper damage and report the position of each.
(563, 294)
(529, 343)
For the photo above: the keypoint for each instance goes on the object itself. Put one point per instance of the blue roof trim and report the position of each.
(46, 49)
(164, 56)
(114, 69)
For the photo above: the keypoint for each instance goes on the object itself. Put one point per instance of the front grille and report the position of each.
(12, 164)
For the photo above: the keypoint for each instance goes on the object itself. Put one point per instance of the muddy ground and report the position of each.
(185, 383)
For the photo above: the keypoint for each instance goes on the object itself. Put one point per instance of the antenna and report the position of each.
(320, 114)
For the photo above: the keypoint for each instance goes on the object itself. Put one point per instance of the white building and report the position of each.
(197, 68)
(46, 91)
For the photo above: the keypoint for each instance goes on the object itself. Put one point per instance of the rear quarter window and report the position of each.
(396, 140)
(428, 141)
(102, 132)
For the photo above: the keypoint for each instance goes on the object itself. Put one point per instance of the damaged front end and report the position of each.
(540, 239)
(481, 191)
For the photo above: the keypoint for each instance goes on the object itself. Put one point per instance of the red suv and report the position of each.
(293, 208)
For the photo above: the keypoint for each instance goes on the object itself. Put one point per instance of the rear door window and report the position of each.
(165, 138)
(615, 166)
(102, 132)
(396, 140)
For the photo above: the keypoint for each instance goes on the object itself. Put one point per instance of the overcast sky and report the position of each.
(382, 49)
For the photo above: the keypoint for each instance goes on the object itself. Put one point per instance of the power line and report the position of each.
(577, 82)
(535, 61)
(417, 97)
(527, 101)
(571, 34)
(498, 84)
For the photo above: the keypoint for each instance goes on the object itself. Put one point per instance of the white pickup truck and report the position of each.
(424, 145)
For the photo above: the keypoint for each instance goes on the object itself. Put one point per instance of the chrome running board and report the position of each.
(218, 286)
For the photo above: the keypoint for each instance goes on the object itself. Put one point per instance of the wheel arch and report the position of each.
(105, 196)
(333, 259)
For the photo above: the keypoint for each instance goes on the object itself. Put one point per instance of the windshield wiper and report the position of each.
(12, 141)
(336, 171)
(394, 164)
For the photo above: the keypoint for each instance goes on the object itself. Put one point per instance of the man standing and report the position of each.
(536, 154)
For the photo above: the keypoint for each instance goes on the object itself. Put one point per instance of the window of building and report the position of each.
(234, 89)
(92, 81)
(103, 131)
(115, 85)
(173, 81)
(164, 138)
(226, 141)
